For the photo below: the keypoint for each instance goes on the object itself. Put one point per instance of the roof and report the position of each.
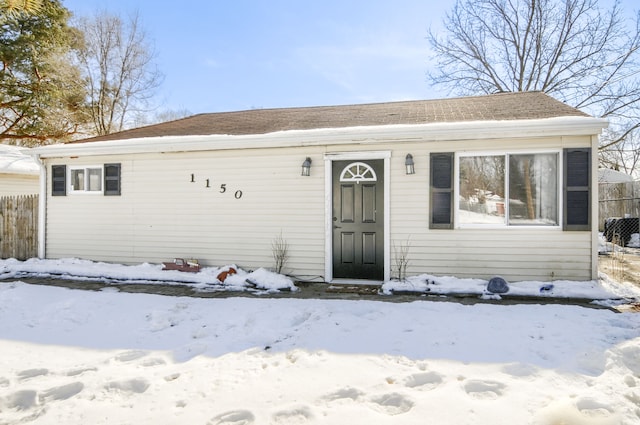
(495, 107)
(606, 175)
(13, 160)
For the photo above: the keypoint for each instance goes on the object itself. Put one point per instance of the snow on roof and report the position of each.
(13, 160)
(606, 175)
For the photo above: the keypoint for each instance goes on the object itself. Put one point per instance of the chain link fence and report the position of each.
(619, 209)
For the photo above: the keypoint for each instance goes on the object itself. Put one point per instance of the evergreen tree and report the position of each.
(41, 93)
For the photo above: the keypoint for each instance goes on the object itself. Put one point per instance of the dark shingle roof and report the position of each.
(498, 107)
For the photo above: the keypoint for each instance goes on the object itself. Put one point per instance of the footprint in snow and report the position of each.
(484, 390)
(593, 408)
(32, 373)
(154, 361)
(19, 401)
(392, 404)
(80, 371)
(234, 417)
(137, 386)
(295, 416)
(520, 370)
(580, 411)
(423, 381)
(62, 392)
(300, 318)
(20, 407)
(346, 393)
(129, 356)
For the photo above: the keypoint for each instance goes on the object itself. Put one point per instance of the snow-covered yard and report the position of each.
(109, 357)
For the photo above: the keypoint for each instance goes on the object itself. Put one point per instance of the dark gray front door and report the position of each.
(358, 219)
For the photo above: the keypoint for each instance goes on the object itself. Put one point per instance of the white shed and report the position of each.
(19, 172)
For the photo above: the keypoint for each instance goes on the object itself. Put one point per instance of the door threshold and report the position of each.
(356, 282)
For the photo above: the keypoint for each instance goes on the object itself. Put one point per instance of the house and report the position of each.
(609, 176)
(504, 184)
(19, 172)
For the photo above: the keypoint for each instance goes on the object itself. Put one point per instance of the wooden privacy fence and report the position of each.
(19, 227)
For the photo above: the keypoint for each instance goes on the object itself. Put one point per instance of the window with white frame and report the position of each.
(508, 189)
(85, 179)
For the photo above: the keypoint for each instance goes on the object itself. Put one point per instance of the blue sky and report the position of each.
(225, 55)
(232, 55)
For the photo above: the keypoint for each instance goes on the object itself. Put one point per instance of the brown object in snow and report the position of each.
(180, 264)
(223, 275)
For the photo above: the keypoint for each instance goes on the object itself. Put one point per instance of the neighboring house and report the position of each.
(504, 185)
(19, 172)
(606, 175)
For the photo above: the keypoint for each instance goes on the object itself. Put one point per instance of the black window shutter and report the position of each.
(58, 180)
(441, 191)
(112, 179)
(577, 189)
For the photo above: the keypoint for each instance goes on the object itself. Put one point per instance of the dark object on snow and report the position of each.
(619, 230)
(497, 285)
(546, 288)
(180, 264)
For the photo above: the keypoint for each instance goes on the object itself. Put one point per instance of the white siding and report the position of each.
(18, 184)
(161, 214)
(514, 253)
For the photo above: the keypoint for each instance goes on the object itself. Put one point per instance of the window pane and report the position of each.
(95, 179)
(77, 179)
(481, 197)
(533, 189)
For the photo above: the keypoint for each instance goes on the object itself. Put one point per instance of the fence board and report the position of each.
(19, 227)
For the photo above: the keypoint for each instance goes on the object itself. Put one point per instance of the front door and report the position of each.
(358, 219)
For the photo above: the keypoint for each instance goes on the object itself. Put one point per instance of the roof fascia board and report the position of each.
(472, 130)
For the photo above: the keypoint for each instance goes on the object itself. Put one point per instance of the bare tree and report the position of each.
(118, 65)
(163, 115)
(571, 49)
(623, 156)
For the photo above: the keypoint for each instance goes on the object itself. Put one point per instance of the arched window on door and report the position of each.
(358, 172)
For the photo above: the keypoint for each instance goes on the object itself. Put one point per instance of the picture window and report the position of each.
(508, 190)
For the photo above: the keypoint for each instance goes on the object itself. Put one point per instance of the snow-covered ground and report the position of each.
(108, 357)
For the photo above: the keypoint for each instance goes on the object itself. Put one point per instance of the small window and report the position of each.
(86, 180)
(58, 180)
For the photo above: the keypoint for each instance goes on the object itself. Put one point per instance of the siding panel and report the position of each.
(161, 214)
(18, 184)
